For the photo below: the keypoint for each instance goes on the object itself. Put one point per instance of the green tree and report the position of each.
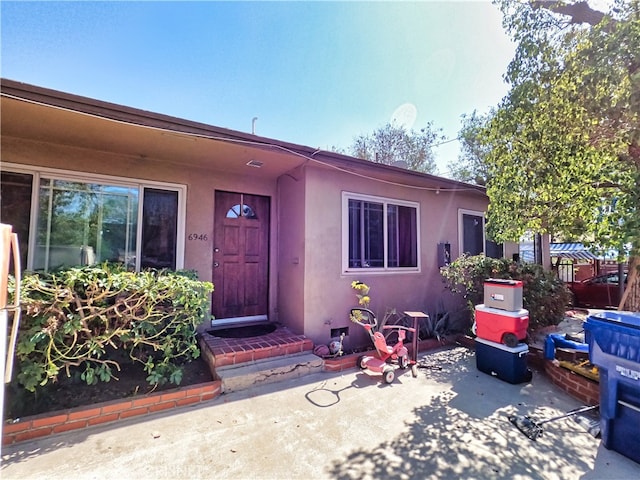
(564, 144)
(394, 143)
(471, 165)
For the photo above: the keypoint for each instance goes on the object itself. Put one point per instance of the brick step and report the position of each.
(271, 370)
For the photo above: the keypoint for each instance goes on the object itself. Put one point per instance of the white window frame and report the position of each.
(68, 175)
(346, 196)
(475, 213)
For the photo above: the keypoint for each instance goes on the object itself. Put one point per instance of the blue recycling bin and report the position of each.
(614, 347)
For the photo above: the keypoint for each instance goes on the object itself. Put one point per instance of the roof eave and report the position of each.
(55, 98)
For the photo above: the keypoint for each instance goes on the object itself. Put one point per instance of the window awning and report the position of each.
(575, 251)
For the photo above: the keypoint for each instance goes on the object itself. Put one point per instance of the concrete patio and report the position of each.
(448, 423)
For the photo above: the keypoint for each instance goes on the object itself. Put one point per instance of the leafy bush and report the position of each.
(89, 319)
(543, 294)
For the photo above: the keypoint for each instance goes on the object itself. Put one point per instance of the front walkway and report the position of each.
(448, 423)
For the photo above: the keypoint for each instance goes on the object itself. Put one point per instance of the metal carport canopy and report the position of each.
(576, 251)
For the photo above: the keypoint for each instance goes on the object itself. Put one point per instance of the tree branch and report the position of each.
(579, 12)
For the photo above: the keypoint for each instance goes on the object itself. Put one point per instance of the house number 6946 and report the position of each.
(198, 236)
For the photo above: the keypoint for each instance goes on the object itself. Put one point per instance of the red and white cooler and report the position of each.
(501, 326)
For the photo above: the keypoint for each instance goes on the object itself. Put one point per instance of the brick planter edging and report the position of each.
(38, 426)
(582, 388)
(45, 424)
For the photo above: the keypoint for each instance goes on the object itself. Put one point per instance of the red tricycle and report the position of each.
(396, 353)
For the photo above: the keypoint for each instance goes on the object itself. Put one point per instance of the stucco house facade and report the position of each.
(280, 229)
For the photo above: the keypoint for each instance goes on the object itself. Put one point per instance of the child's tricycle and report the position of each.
(396, 353)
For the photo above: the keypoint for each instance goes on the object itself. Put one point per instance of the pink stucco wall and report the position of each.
(308, 289)
(327, 295)
(200, 183)
(291, 250)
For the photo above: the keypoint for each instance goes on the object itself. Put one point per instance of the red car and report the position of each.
(601, 291)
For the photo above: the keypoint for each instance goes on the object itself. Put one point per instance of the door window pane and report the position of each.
(159, 228)
(238, 211)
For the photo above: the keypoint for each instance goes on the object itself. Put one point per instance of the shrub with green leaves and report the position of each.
(544, 295)
(89, 319)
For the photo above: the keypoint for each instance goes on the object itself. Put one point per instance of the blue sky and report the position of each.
(314, 73)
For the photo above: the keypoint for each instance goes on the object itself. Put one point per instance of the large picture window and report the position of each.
(89, 221)
(380, 233)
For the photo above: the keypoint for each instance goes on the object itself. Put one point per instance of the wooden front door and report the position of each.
(240, 256)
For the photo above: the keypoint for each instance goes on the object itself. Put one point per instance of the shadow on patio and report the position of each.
(448, 423)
